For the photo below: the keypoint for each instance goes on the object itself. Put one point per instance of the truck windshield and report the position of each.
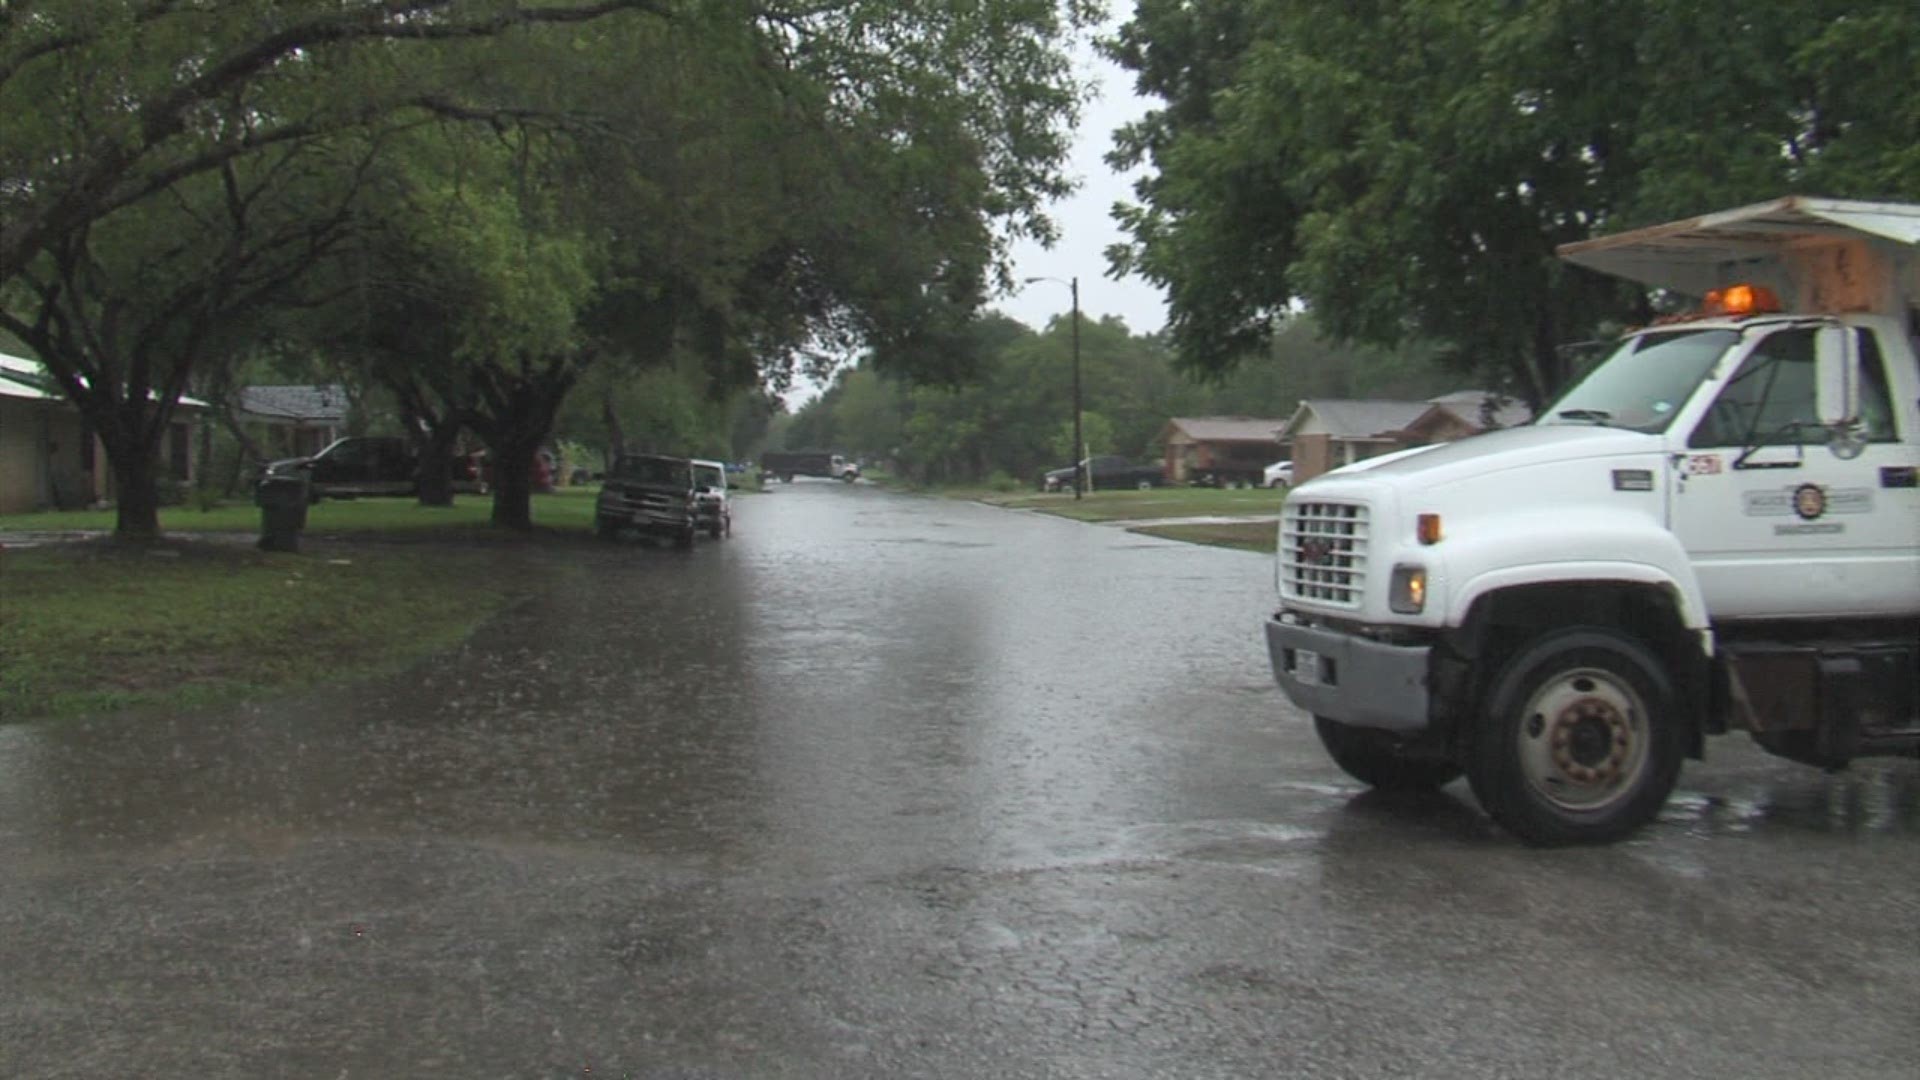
(1643, 384)
(663, 471)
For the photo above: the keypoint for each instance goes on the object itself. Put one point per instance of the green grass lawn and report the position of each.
(1241, 535)
(92, 626)
(1167, 502)
(568, 508)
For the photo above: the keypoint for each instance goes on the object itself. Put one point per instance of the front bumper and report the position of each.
(1348, 678)
(646, 517)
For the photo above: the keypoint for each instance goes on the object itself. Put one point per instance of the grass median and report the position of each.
(198, 621)
(1246, 514)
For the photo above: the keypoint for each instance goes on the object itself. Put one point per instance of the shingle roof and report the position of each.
(1365, 419)
(1230, 428)
(319, 404)
(1469, 405)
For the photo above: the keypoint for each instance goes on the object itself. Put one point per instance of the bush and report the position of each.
(1004, 484)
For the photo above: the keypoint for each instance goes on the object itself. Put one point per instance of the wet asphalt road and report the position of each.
(886, 786)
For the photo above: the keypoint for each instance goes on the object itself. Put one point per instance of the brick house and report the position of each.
(1202, 449)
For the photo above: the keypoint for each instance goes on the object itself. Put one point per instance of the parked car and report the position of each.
(1105, 473)
(651, 494)
(377, 465)
(710, 508)
(1277, 475)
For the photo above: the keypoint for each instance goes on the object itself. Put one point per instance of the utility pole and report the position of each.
(1082, 473)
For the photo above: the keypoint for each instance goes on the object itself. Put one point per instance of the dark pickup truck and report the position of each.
(651, 494)
(372, 465)
(1105, 473)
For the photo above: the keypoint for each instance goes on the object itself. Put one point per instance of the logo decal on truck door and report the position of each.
(1809, 501)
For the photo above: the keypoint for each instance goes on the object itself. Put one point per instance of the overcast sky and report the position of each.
(1085, 220)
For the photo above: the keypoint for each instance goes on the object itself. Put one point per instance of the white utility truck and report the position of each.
(1717, 529)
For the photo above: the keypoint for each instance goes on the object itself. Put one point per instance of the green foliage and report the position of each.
(1018, 420)
(1406, 170)
(1003, 483)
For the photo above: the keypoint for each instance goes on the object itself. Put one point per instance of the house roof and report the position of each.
(23, 378)
(1345, 419)
(1469, 405)
(1229, 428)
(1379, 419)
(319, 404)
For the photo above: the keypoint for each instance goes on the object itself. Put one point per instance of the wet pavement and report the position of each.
(886, 786)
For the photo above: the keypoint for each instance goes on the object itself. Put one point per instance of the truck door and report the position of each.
(1777, 523)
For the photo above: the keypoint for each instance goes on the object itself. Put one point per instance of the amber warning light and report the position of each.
(1741, 300)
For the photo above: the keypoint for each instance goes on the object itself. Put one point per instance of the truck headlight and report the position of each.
(1407, 594)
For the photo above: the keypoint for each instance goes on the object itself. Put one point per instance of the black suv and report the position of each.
(648, 493)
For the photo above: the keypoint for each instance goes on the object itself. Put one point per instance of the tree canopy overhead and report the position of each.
(563, 183)
(1407, 168)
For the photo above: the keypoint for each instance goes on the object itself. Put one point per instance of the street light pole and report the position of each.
(1082, 474)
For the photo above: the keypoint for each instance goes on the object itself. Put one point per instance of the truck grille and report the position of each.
(1323, 553)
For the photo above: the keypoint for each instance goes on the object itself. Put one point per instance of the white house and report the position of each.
(48, 458)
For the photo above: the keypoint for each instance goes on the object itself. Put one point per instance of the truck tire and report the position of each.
(606, 528)
(1580, 741)
(1378, 758)
(684, 538)
(1143, 485)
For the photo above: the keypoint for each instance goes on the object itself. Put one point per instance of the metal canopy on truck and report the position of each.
(1826, 255)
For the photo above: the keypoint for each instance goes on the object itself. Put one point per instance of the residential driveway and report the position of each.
(888, 786)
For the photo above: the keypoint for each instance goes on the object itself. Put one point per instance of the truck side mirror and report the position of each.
(1836, 385)
(1836, 390)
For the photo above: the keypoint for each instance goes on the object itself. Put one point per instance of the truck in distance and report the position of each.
(1714, 530)
(787, 464)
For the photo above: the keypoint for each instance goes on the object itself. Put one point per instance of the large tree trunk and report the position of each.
(616, 435)
(515, 416)
(436, 465)
(513, 485)
(136, 496)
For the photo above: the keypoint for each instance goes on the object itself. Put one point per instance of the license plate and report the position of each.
(1306, 667)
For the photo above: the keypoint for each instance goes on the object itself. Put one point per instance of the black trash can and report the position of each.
(283, 511)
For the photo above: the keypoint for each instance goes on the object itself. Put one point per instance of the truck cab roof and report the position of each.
(1819, 255)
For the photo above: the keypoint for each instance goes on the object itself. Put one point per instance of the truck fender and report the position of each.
(1580, 547)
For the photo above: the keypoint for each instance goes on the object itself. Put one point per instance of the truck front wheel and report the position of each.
(1379, 758)
(1580, 741)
